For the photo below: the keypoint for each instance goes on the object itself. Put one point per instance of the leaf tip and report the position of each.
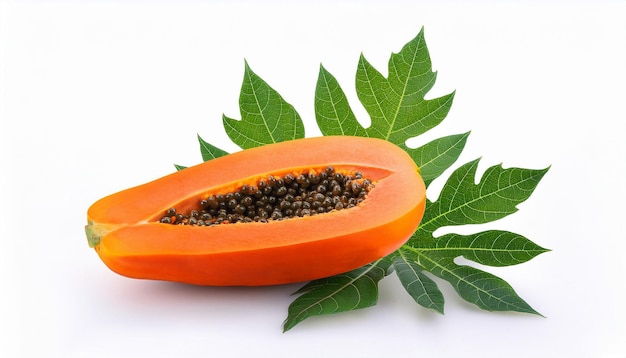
(286, 328)
(289, 323)
(246, 67)
(533, 311)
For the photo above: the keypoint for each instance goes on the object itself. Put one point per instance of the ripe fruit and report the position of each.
(287, 212)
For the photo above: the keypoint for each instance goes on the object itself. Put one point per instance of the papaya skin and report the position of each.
(123, 228)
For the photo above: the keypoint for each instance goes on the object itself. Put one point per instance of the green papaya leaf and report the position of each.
(332, 111)
(483, 289)
(266, 118)
(492, 248)
(399, 111)
(345, 292)
(209, 151)
(435, 157)
(414, 279)
(463, 202)
(396, 104)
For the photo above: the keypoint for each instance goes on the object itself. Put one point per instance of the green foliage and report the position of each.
(344, 292)
(398, 112)
(414, 279)
(266, 117)
(209, 151)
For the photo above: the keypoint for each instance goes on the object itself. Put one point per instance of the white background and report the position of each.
(97, 96)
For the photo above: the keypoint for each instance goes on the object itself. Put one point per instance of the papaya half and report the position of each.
(288, 212)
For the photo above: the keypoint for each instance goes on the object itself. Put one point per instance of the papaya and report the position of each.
(281, 213)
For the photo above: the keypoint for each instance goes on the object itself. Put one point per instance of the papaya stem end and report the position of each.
(95, 232)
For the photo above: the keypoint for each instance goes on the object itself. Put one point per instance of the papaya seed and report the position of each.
(277, 198)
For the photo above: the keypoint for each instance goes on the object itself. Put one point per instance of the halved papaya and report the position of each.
(152, 232)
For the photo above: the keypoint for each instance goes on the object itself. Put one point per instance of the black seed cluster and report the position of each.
(278, 198)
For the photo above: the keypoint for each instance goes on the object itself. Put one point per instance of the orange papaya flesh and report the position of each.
(125, 231)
